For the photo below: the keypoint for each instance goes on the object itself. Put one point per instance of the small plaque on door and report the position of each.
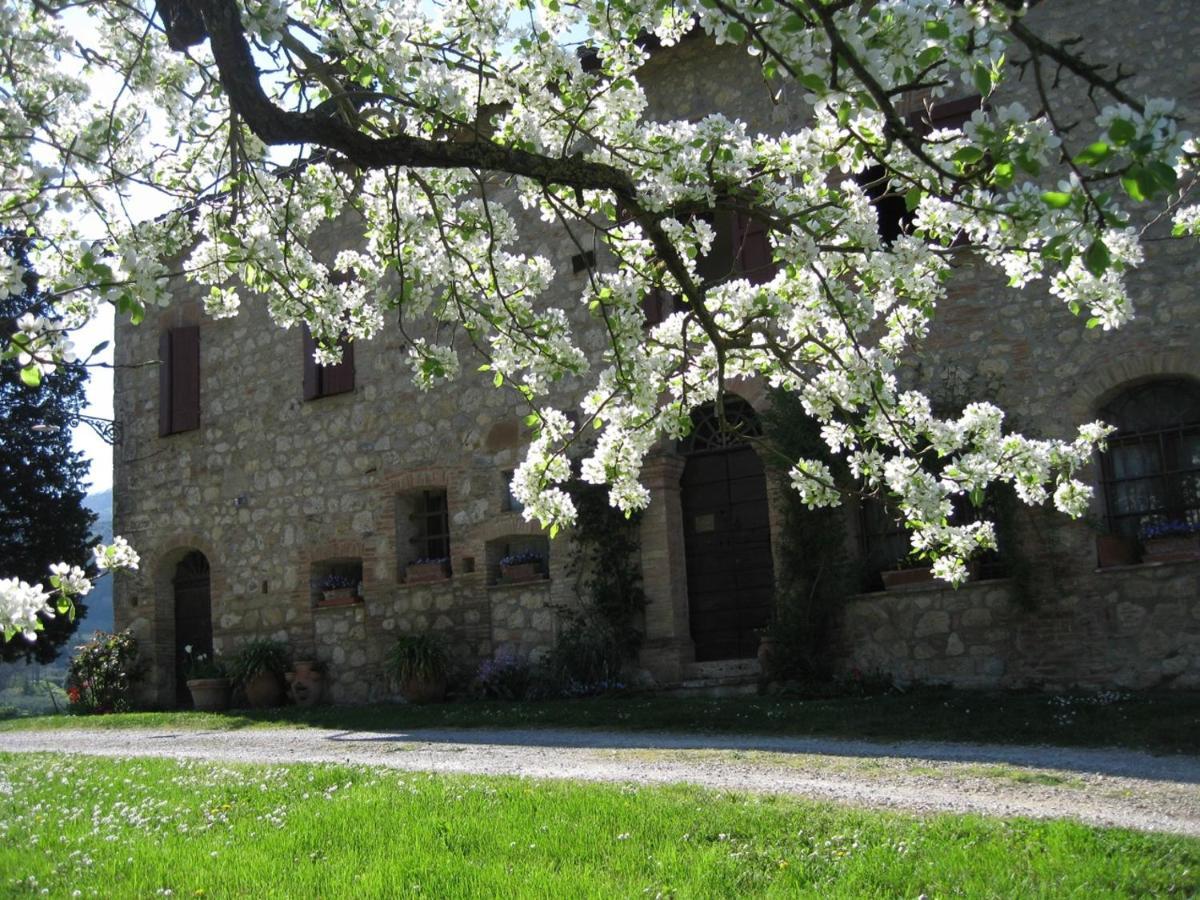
(704, 522)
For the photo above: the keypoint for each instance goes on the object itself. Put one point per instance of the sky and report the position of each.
(99, 399)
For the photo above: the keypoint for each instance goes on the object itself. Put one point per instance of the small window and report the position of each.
(893, 213)
(179, 380)
(510, 503)
(741, 248)
(325, 381)
(1151, 470)
(422, 527)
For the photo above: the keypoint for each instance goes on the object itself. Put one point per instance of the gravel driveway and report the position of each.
(1099, 787)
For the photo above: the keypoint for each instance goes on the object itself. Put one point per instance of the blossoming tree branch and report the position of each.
(433, 126)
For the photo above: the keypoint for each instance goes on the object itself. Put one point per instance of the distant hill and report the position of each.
(99, 616)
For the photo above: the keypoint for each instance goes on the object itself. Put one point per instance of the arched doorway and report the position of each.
(193, 616)
(727, 533)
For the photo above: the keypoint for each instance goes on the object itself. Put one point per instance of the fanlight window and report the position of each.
(709, 432)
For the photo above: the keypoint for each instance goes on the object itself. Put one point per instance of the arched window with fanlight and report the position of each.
(1151, 470)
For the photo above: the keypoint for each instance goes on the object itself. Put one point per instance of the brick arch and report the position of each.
(1107, 381)
(160, 653)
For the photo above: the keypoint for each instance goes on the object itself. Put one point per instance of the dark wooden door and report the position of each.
(727, 536)
(193, 617)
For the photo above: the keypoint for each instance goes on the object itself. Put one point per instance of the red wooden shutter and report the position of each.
(185, 378)
(753, 250)
(164, 384)
(312, 379)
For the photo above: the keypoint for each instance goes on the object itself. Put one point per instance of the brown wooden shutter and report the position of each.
(339, 379)
(185, 378)
(164, 384)
(753, 250)
(179, 380)
(312, 376)
(323, 381)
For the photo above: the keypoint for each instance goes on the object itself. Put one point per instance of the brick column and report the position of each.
(668, 647)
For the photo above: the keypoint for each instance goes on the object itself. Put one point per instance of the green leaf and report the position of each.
(813, 82)
(982, 76)
(553, 532)
(1056, 199)
(1121, 131)
(736, 32)
(1093, 322)
(929, 56)
(1133, 185)
(912, 198)
(1163, 174)
(1002, 174)
(1097, 258)
(498, 380)
(1093, 154)
(792, 24)
(937, 29)
(31, 376)
(977, 497)
(968, 155)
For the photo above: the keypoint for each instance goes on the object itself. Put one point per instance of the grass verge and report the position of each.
(1166, 722)
(138, 828)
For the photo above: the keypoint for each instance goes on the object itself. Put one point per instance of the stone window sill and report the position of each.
(510, 585)
(1142, 566)
(322, 606)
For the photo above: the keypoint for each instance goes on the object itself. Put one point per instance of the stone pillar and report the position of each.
(668, 647)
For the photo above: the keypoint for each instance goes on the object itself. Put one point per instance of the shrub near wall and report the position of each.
(102, 672)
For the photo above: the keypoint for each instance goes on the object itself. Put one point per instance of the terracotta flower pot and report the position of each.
(1173, 548)
(305, 683)
(420, 690)
(767, 648)
(209, 694)
(907, 579)
(1115, 550)
(264, 690)
(338, 597)
(520, 572)
(423, 573)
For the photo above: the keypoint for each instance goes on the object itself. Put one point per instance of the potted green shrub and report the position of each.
(258, 668)
(419, 663)
(206, 681)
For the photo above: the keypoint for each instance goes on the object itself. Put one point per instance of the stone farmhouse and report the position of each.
(247, 474)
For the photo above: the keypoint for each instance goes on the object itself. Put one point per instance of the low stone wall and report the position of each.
(477, 621)
(1132, 627)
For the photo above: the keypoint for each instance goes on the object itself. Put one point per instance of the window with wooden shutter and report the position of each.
(325, 381)
(179, 380)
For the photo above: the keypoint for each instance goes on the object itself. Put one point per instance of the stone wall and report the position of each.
(271, 486)
(1129, 627)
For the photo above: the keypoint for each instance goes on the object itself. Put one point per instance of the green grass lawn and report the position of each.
(1164, 722)
(140, 828)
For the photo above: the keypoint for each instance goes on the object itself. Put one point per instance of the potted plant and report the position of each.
(206, 681)
(337, 590)
(423, 571)
(419, 663)
(305, 682)
(259, 668)
(1115, 550)
(1175, 540)
(523, 566)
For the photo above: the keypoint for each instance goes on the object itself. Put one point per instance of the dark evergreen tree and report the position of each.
(42, 516)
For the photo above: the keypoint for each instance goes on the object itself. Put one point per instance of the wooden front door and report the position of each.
(727, 538)
(193, 617)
